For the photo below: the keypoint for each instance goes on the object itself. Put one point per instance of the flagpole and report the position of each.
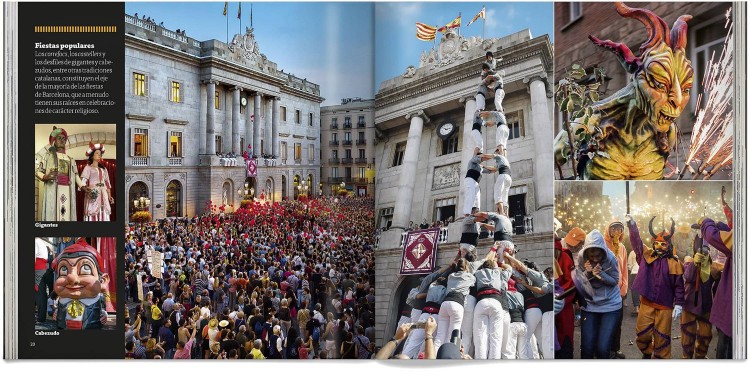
(251, 15)
(239, 15)
(459, 24)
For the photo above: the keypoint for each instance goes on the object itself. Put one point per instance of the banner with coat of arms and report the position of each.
(420, 251)
(252, 168)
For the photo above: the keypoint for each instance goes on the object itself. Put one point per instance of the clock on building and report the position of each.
(243, 101)
(446, 130)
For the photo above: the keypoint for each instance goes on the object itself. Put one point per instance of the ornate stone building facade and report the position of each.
(347, 160)
(193, 107)
(420, 167)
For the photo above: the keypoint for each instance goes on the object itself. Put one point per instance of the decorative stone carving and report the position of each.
(410, 72)
(446, 176)
(245, 44)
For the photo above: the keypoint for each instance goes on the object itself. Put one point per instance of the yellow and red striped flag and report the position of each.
(479, 15)
(425, 32)
(226, 4)
(451, 25)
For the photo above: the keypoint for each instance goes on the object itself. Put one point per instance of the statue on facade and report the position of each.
(410, 72)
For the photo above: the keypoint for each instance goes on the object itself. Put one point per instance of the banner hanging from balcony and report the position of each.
(252, 168)
(420, 251)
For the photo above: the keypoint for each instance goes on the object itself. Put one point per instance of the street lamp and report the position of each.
(303, 188)
(142, 203)
(246, 190)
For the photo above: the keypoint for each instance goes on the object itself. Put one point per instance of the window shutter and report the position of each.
(132, 142)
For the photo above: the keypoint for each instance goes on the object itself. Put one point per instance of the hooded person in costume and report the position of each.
(613, 237)
(596, 277)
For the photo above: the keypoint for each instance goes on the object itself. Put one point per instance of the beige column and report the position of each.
(210, 112)
(275, 127)
(407, 177)
(236, 120)
(541, 128)
(467, 144)
(256, 124)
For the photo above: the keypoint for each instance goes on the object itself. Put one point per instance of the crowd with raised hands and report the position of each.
(291, 279)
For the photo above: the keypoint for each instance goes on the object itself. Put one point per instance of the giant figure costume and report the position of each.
(78, 282)
(59, 177)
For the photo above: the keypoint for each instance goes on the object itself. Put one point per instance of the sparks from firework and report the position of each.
(712, 139)
(664, 200)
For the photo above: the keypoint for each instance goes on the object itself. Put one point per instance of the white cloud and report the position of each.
(491, 19)
(403, 13)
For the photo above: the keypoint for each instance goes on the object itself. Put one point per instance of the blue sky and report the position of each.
(328, 43)
(397, 46)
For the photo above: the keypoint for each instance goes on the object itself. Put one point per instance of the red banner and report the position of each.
(420, 251)
(252, 168)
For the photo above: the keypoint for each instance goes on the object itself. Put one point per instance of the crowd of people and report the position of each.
(669, 281)
(484, 308)
(291, 279)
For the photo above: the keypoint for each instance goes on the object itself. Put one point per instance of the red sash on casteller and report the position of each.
(431, 310)
(488, 292)
(74, 324)
(63, 180)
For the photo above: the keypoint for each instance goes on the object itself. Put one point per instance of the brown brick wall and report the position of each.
(601, 20)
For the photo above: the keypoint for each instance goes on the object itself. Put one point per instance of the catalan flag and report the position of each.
(226, 4)
(239, 12)
(451, 25)
(479, 15)
(425, 32)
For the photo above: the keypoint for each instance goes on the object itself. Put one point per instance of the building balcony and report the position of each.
(360, 160)
(361, 125)
(347, 160)
(334, 161)
(347, 125)
(334, 126)
(333, 143)
(361, 142)
(442, 237)
(139, 161)
(175, 162)
(347, 142)
(350, 180)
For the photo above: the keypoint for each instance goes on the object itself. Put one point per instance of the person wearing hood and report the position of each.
(662, 290)
(596, 277)
(613, 237)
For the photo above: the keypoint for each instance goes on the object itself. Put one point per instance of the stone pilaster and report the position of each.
(210, 113)
(541, 127)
